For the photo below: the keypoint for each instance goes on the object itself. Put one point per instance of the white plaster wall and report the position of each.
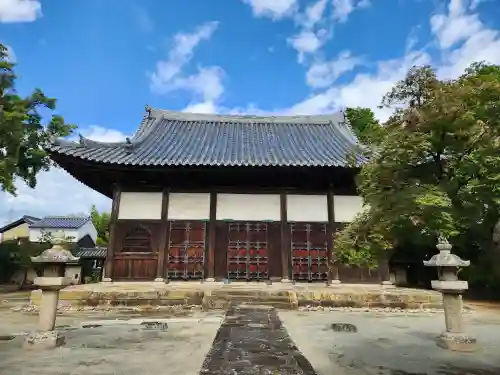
(88, 229)
(312, 208)
(346, 207)
(36, 233)
(189, 206)
(141, 206)
(251, 207)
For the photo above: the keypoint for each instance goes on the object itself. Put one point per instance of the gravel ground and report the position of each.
(117, 350)
(384, 343)
(392, 343)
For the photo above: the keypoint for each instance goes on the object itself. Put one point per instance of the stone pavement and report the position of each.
(222, 296)
(252, 341)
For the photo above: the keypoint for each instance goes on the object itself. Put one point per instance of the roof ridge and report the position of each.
(65, 217)
(321, 119)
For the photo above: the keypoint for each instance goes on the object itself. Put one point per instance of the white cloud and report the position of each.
(324, 73)
(206, 85)
(50, 196)
(274, 9)
(458, 44)
(20, 10)
(313, 14)
(11, 56)
(313, 33)
(463, 39)
(202, 107)
(456, 26)
(365, 90)
(343, 8)
(475, 3)
(181, 53)
(308, 42)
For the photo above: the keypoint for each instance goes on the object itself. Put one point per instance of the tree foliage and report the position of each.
(23, 129)
(435, 168)
(364, 124)
(101, 223)
(15, 255)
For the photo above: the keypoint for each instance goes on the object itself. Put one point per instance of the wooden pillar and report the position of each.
(285, 243)
(212, 230)
(112, 231)
(161, 272)
(333, 273)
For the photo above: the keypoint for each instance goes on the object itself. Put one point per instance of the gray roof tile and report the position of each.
(61, 222)
(91, 252)
(167, 138)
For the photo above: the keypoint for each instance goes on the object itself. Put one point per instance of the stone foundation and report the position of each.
(44, 340)
(220, 296)
(457, 342)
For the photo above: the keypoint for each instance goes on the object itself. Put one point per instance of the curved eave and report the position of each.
(102, 177)
(119, 156)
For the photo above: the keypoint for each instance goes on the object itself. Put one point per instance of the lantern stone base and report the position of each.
(457, 342)
(388, 284)
(44, 340)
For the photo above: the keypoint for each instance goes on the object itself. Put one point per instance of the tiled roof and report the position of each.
(61, 222)
(91, 252)
(167, 138)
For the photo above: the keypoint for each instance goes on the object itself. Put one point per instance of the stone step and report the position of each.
(224, 298)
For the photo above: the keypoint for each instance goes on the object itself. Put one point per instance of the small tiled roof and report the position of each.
(167, 138)
(91, 252)
(25, 219)
(61, 222)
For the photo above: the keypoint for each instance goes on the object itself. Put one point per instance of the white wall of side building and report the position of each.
(74, 235)
(70, 234)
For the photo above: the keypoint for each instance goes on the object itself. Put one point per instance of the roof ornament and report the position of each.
(81, 139)
(344, 115)
(129, 146)
(148, 110)
(128, 142)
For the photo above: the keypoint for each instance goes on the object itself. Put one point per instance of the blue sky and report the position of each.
(105, 59)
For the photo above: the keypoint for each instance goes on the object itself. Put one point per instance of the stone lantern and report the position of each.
(53, 262)
(448, 266)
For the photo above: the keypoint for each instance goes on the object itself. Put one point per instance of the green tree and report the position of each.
(101, 223)
(436, 170)
(16, 256)
(23, 129)
(364, 124)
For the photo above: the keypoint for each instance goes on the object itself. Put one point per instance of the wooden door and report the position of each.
(247, 251)
(309, 245)
(136, 252)
(186, 254)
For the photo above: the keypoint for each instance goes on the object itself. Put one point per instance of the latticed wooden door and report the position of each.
(247, 251)
(309, 251)
(186, 255)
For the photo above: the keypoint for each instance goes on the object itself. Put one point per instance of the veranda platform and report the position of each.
(221, 296)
